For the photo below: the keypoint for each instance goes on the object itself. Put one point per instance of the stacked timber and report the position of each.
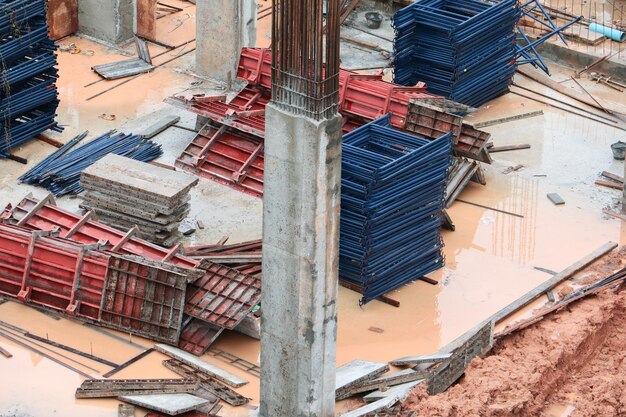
(125, 194)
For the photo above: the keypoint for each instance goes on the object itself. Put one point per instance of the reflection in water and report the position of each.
(513, 237)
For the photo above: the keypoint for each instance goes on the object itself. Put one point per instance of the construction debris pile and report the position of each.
(28, 98)
(127, 194)
(214, 297)
(60, 171)
(393, 193)
(463, 49)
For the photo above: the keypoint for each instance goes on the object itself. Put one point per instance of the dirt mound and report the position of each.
(576, 357)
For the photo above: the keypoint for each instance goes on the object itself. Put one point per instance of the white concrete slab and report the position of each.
(170, 404)
(201, 365)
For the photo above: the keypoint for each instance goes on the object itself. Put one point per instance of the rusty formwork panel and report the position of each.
(226, 156)
(473, 144)
(123, 293)
(44, 215)
(40, 269)
(142, 299)
(428, 121)
(245, 112)
(223, 296)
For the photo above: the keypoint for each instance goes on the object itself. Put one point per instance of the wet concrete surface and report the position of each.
(490, 258)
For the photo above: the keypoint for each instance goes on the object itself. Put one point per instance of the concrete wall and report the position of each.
(110, 21)
(223, 28)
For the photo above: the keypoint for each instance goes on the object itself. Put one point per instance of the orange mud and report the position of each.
(572, 363)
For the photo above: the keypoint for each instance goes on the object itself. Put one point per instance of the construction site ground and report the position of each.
(491, 258)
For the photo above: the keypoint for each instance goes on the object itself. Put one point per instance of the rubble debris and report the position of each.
(206, 382)
(112, 388)
(60, 172)
(125, 193)
(170, 404)
(356, 372)
(512, 169)
(127, 67)
(556, 199)
(615, 215)
(610, 184)
(201, 365)
(29, 97)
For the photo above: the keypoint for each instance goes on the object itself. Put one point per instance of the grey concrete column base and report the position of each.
(300, 265)
(223, 27)
(110, 21)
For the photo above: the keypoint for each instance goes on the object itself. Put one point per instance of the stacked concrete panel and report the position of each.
(125, 193)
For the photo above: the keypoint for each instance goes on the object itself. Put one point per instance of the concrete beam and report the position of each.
(110, 21)
(300, 265)
(223, 28)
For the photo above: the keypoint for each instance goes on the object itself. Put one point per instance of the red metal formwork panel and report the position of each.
(36, 268)
(197, 336)
(233, 302)
(143, 299)
(44, 215)
(245, 112)
(255, 66)
(228, 157)
(223, 296)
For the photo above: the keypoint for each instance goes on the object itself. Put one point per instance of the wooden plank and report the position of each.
(49, 140)
(615, 215)
(400, 391)
(610, 184)
(201, 365)
(146, 19)
(613, 177)
(390, 380)
(507, 148)
(71, 349)
(62, 18)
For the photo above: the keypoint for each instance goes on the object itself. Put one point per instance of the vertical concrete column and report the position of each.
(624, 194)
(300, 265)
(223, 27)
(111, 21)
